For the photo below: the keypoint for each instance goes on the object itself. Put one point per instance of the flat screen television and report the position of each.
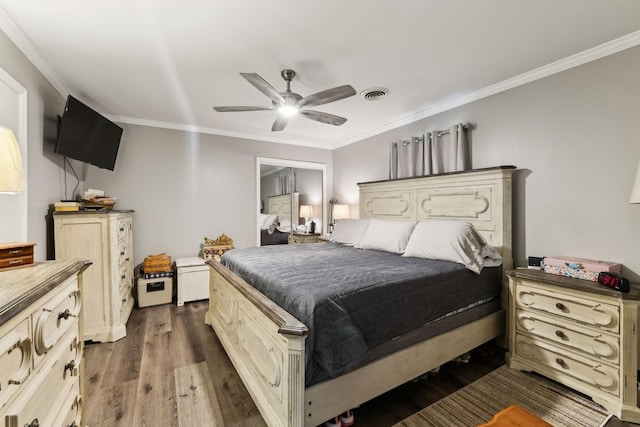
(88, 136)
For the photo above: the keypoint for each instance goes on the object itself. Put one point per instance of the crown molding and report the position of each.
(625, 42)
(25, 45)
(605, 49)
(213, 131)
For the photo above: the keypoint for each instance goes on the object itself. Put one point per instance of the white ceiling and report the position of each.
(167, 63)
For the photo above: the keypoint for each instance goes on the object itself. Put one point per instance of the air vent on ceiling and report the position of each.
(374, 93)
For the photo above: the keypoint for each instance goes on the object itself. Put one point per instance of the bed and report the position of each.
(267, 344)
(283, 210)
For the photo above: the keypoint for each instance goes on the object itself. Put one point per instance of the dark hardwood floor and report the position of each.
(171, 370)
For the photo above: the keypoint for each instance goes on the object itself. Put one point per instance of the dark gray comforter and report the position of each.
(353, 299)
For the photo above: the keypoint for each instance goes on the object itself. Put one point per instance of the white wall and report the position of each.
(574, 138)
(185, 186)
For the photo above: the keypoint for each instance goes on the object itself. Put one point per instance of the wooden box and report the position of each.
(16, 255)
(210, 252)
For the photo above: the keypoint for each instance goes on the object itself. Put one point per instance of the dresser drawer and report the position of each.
(56, 317)
(42, 398)
(589, 341)
(588, 373)
(70, 414)
(16, 357)
(580, 309)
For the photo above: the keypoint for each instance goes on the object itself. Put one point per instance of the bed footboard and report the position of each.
(264, 343)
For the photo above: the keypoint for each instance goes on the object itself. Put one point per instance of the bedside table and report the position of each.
(579, 333)
(301, 238)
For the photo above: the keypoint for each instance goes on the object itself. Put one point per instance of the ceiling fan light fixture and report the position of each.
(288, 110)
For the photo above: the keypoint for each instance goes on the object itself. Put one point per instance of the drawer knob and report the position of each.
(65, 314)
(70, 366)
(562, 363)
(561, 334)
(34, 423)
(560, 306)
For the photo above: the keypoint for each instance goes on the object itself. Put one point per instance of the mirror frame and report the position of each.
(293, 164)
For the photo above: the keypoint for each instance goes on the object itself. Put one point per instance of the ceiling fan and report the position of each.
(290, 103)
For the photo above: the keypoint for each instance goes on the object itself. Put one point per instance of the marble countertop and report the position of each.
(22, 287)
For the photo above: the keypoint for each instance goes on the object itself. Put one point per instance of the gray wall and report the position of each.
(185, 186)
(573, 137)
(45, 174)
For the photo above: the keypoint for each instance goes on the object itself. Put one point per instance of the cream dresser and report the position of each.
(41, 346)
(579, 333)
(106, 239)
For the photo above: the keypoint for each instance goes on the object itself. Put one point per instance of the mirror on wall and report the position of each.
(291, 197)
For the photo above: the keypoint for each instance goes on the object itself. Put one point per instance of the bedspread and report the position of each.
(354, 299)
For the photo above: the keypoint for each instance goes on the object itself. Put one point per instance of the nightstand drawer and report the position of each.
(582, 373)
(587, 340)
(589, 312)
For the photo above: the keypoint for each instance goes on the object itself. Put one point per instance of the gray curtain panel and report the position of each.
(438, 151)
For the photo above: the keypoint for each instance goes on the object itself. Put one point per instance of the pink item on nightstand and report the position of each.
(583, 264)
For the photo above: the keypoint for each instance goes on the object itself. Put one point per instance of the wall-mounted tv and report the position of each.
(88, 136)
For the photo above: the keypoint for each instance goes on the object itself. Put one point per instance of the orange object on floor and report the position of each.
(515, 416)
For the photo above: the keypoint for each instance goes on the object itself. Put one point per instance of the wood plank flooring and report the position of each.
(171, 370)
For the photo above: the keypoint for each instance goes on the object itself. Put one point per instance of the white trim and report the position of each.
(294, 164)
(23, 43)
(23, 197)
(605, 49)
(302, 142)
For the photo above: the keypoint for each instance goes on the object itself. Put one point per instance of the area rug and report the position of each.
(479, 401)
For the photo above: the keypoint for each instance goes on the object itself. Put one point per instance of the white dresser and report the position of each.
(106, 239)
(579, 333)
(41, 346)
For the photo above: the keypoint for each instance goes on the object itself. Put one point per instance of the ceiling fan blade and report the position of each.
(327, 118)
(280, 123)
(240, 108)
(264, 87)
(326, 96)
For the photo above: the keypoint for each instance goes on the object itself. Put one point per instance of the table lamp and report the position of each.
(635, 192)
(339, 212)
(306, 213)
(11, 173)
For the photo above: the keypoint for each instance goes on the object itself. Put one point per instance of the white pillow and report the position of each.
(349, 231)
(455, 241)
(388, 236)
(269, 223)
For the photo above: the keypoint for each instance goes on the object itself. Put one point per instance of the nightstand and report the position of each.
(579, 333)
(301, 238)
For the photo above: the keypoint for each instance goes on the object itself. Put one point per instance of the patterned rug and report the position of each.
(479, 401)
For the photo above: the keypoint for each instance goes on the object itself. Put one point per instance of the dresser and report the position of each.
(106, 239)
(578, 333)
(41, 346)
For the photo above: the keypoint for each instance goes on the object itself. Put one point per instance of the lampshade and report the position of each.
(306, 211)
(11, 175)
(635, 193)
(340, 211)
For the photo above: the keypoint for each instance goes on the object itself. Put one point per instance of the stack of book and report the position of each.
(580, 268)
(67, 206)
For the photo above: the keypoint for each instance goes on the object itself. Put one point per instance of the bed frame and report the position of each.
(266, 344)
(285, 206)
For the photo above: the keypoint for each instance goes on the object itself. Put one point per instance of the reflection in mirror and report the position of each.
(284, 188)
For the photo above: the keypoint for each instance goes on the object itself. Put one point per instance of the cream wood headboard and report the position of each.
(282, 206)
(481, 197)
